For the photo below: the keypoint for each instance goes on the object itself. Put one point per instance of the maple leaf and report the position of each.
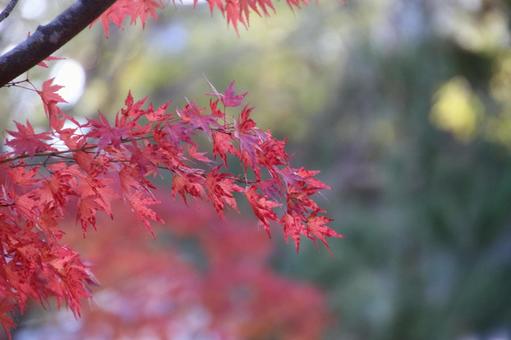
(235, 11)
(301, 185)
(49, 93)
(238, 11)
(262, 207)
(313, 185)
(220, 188)
(191, 114)
(213, 105)
(222, 145)
(140, 203)
(135, 9)
(159, 114)
(317, 229)
(61, 185)
(272, 152)
(249, 138)
(229, 98)
(73, 277)
(297, 3)
(5, 320)
(50, 97)
(49, 222)
(143, 9)
(195, 154)
(84, 160)
(22, 176)
(26, 206)
(25, 140)
(105, 133)
(257, 6)
(87, 208)
(115, 15)
(245, 125)
(294, 228)
(96, 194)
(50, 58)
(188, 183)
(212, 4)
(233, 14)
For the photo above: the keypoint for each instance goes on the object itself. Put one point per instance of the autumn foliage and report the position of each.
(226, 291)
(235, 11)
(79, 169)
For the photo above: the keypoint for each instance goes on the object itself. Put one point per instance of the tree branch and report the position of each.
(49, 38)
(8, 9)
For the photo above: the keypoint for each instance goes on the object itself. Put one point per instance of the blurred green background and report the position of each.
(405, 107)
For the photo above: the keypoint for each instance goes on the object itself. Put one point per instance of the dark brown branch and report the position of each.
(8, 9)
(49, 38)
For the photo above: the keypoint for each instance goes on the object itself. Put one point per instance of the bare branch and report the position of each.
(49, 38)
(8, 9)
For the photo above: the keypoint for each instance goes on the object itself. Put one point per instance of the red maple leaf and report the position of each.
(197, 155)
(105, 133)
(220, 188)
(135, 9)
(50, 99)
(249, 137)
(272, 152)
(27, 141)
(262, 207)
(229, 98)
(222, 145)
(140, 205)
(49, 95)
(294, 228)
(297, 3)
(5, 320)
(22, 176)
(233, 14)
(213, 105)
(235, 11)
(190, 182)
(191, 114)
(317, 229)
(50, 58)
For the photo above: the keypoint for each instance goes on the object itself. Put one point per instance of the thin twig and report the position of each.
(7, 10)
(16, 83)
